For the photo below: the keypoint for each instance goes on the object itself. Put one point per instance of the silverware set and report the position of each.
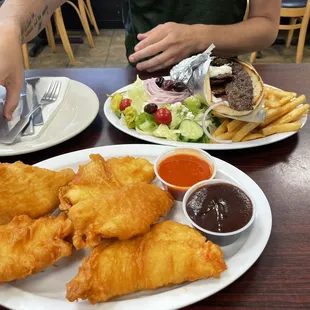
(31, 117)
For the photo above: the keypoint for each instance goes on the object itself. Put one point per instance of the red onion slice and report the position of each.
(159, 96)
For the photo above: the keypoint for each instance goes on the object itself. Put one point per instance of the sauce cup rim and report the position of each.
(214, 233)
(185, 188)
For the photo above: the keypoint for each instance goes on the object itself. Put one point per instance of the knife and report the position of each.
(4, 125)
(29, 130)
(38, 116)
(11, 137)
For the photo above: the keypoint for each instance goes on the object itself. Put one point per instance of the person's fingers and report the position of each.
(153, 37)
(142, 36)
(150, 50)
(12, 98)
(155, 61)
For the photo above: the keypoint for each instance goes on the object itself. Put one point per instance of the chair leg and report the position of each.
(81, 12)
(63, 35)
(253, 57)
(291, 32)
(92, 16)
(25, 57)
(85, 24)
(50, 36)
(302, 34)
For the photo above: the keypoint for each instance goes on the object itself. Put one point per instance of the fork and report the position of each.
(49, 97)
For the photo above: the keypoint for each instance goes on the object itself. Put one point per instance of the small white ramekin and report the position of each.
(178, 192)
(217, 237)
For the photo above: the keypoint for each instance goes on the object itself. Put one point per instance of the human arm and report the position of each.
(175, 41)
(27, 18)
(20, 21)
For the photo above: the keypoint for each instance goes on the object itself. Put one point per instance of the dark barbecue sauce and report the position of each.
(219, 207)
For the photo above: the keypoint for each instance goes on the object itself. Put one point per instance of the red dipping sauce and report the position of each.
(181, 171)
(184, 170)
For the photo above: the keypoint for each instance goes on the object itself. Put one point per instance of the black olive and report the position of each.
(179, 86)
(167, 85)
(159, 81)
(150, 108)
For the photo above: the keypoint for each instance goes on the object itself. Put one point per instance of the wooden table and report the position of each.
(280, 279)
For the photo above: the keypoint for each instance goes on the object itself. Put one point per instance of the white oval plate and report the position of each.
(115, 121)
(80, 108)
(47, 290)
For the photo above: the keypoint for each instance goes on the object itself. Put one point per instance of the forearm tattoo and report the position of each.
(34, 22)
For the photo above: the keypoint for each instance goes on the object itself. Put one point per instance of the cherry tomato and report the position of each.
(163, 116)
(125, 104)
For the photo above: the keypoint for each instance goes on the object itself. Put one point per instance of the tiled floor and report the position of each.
(110, 52)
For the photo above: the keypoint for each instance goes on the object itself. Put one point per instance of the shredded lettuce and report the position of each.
(193, 104)
(146, 122)
(137, 94)
(178, 113)
(198, 118)
(163, 131)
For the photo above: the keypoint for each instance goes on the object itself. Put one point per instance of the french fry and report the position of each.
(226, 135)
(272, 104)
(272, 97)
(231, 126)
(293, 116)
(221, 129)
(272, 129)
(243, 131)
(278, 103)
(252, 136)
(280, 93)
(285, 100)
(273, 114)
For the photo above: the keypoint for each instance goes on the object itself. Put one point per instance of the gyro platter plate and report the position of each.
(119, 124)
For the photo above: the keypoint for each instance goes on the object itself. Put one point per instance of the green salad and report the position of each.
(178, 121)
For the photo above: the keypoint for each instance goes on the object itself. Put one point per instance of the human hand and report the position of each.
(11, 67)
(173, 41)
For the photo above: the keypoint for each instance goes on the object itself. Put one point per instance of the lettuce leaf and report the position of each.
(163, 131)
(146, 122)
(193, 104)
(137, 94)
(178, 113)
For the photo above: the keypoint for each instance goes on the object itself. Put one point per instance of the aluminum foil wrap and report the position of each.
(192, 72)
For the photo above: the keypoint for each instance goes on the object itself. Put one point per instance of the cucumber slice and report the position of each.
(190, 131)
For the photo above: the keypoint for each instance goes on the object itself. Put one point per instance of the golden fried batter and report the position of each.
(130, 211)
(170, 253)
(28, 246)
(29, 190)
(100, 177)
(130, 170)
(92, 180)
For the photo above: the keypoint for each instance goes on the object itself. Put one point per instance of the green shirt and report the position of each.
(142, 15)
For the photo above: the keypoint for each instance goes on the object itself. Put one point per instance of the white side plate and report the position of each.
(79, 109)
